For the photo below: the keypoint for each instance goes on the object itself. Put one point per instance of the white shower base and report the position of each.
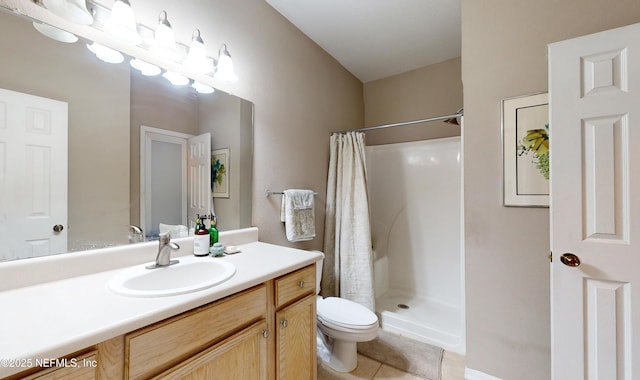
(424, 320)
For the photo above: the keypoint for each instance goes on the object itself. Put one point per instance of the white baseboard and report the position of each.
(472, 374)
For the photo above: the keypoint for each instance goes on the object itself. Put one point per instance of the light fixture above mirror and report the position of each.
(224, 68)
(162, 51)
(164, 40)
(197, 59)
(71, 10)
(122, 23)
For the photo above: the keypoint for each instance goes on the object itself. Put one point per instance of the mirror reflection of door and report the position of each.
(171, 164)
(33, 189)
(199, 178)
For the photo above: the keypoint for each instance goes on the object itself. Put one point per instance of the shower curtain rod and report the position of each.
(437, 118)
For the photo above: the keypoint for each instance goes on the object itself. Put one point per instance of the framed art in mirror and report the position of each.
(525, 150)
(220, 173)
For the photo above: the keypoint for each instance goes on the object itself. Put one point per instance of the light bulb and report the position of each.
(197, 58)
(164, 41)
(224, 68)
(122, 23)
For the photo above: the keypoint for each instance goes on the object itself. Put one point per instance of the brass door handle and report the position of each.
(569, 259)
(58, 228)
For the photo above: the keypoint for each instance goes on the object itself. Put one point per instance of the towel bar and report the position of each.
(270, 192)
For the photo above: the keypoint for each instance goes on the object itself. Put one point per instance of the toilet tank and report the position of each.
(319, 271)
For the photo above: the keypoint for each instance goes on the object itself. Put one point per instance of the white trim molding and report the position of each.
(472, 374)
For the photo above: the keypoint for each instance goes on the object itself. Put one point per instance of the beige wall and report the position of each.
(98, 156)
(507, 271)
(434, 90)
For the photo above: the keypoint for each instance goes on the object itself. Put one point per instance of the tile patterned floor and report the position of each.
(452, 369)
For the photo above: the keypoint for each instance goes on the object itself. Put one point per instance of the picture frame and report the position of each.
(220, 173)
(525, 154)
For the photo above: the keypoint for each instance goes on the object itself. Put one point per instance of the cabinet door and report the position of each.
(296, 340)
(241, 356)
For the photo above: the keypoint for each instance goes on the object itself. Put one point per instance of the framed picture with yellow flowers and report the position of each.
(525, 150)
(220, 173)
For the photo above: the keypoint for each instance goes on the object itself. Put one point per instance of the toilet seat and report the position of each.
(341, 314)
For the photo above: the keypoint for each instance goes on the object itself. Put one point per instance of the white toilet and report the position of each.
(341, 325)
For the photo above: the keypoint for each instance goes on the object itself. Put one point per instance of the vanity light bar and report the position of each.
(127, 30)
(220, 68)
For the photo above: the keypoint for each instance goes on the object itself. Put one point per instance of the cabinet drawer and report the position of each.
(158, 347)
(295, 285)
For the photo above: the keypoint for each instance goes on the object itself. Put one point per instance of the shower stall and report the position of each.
(416, 227)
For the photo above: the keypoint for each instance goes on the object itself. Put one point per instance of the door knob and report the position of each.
(58, 228)
(569, 259)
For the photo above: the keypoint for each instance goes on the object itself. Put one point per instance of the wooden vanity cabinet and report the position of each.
(265, 332)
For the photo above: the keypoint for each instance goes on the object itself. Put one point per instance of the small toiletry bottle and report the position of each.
(213, 232)
(201, 240)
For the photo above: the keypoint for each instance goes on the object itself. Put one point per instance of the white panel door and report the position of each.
(163, 179)
(199, 178)
(594, 85)
(33, 175)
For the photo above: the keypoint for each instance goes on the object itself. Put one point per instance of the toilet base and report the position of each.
(340, 356)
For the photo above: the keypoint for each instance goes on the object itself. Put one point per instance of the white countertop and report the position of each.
(56, 318)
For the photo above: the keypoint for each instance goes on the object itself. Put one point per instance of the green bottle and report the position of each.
(213, 232)
(198, 222)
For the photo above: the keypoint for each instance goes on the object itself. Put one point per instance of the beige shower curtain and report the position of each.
(348, 265)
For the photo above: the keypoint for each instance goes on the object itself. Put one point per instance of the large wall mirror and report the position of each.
(105, 107)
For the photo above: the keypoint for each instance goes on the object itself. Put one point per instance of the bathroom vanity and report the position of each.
(259, 324)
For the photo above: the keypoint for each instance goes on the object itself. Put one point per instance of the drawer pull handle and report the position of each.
(284, 323)
(265, 334)
(301, 284)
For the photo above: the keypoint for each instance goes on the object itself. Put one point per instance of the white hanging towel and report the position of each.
(298, 214)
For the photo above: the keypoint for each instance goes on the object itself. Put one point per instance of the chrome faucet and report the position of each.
(163, 259)
(135, 234)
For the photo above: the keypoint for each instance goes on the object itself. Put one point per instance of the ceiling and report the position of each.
(375, 39)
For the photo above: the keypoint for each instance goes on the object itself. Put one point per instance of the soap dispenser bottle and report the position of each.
(201, 239)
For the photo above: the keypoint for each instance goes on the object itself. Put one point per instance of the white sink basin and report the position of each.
(189, 275)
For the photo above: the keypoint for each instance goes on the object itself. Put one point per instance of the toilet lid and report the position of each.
(345, 313)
